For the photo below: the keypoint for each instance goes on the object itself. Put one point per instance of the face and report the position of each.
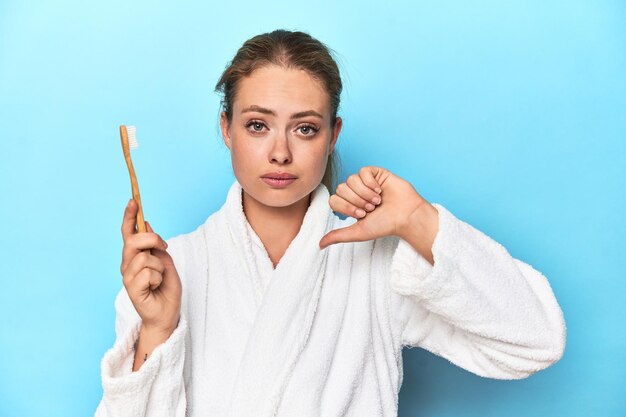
(280, 136)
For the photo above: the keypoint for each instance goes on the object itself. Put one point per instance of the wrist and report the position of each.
(420, 229)
(145, 344)
(150, 338)
(156, 332)
(422, 218)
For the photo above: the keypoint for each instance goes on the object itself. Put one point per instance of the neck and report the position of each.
(275, 226)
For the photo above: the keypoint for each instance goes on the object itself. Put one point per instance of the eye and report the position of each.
(308, 130)
(255, 126)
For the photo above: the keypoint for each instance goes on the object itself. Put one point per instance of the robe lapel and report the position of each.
(285, 311)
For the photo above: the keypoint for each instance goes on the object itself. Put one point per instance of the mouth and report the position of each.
(279, 176)
(278, 180)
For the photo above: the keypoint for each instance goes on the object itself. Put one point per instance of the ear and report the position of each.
(336, 130)
(225, 129)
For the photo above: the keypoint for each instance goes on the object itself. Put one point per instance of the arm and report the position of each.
(151, 388)
(475, 305)
(157, 388)
(458, 293)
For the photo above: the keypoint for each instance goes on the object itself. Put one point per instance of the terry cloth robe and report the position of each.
(322, 334)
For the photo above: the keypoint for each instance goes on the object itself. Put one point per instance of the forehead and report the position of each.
(284, 90)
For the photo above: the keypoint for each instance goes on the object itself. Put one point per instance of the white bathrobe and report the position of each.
(322, 334)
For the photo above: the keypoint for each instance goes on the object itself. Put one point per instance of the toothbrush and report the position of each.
(128, 135)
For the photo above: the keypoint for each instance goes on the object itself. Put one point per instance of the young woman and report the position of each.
(276, 306)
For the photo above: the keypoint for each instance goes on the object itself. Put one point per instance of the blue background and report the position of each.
(510, 114)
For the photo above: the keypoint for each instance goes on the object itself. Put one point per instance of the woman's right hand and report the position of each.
(150, 278)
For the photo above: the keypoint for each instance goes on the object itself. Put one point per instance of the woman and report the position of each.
(275, 306)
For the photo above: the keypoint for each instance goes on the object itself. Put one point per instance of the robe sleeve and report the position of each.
(477, 306)
(157, 388)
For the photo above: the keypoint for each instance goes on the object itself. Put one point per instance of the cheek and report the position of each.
(323, 151)
(244, 153)
(315, 157)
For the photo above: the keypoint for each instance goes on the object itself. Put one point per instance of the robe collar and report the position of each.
(285, 310)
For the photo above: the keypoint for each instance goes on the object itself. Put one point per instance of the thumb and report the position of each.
(345, 234)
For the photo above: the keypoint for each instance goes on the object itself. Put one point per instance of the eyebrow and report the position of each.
(298, 115)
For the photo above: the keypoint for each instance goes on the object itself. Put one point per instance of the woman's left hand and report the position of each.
(399, 211)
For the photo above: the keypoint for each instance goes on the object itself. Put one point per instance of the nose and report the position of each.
(280, 152)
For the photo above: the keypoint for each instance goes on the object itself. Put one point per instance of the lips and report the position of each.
(279, 176)
(278, 180)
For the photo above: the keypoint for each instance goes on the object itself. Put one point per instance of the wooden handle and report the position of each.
(141, 225)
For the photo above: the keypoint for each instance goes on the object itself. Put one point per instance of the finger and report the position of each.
(137, 243)
(346, 208)
(367, 176)
(143, 260)
(169, 272)
(362, 190)
(358, 193)
(351, 233)
(155, 279)
(150, 230)
(146, 279)
(347, 193)
(143, 241)
(130, 219)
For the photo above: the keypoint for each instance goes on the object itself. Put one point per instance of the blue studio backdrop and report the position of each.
(510, 114)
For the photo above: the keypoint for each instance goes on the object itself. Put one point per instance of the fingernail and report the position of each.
(360, 212)
(376, 200)
(128, 204)
(378, 190)
(369, 207)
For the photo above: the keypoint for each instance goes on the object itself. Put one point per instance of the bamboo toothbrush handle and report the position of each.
(141, 225)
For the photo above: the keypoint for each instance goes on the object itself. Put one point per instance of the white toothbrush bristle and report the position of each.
(132, 137)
